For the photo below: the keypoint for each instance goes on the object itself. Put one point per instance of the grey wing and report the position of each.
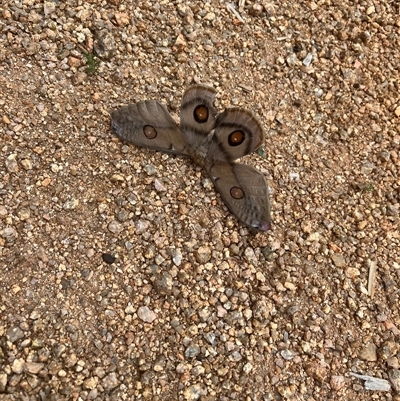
(150, 125)
(244, 191)
(197, 114)
(237, 133)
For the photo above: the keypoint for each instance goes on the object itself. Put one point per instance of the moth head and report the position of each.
(261, 225)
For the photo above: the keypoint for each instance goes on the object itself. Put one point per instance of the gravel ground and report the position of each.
(195, 306)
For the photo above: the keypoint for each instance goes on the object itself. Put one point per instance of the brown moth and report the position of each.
(213, 141)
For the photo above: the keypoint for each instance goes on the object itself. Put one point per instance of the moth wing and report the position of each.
(244, 191)
(149, 124)
(198, 114)
(237, 133)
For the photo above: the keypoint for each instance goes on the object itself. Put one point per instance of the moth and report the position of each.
(213, 141)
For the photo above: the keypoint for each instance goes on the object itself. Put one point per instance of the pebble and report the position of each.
(33, 367)
(11, 163)
(146, 314)
(104, 45)
(71, 204)
(192, 392)
(3, 382)
(110, 381)
(115, 227)
(177, 256)
(394, 378)
(369, 352)
(164, 283)
(18, 365)
(337, 382)
(338, 260)
(15, 334)
(316, 371)
(8, 233)
(26, 164)
(192, 351)
(203, 254)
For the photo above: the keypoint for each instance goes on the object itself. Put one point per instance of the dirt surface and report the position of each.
(195, 306)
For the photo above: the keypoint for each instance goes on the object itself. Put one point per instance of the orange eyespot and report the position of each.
(237, 193)
(149, 131)
(201, 114)
(236, 138)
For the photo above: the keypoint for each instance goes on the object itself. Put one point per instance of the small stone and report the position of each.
(177, 256)
(3, 211)
(141, 226)
(150, 169)
(122, 19)
(159, 186)
(34, 315)
(393, 362)
(146, 314)
(6, 120)
(286, 392)
(3, 382)
(193, 392)
(260, 277)
(8, 233)
(104, 45)
(209, 16)
(397, 111)
(337, 382)
(388, 349)
(74, 62)
(203, 254)
(394, 377)
(192, 351)
(307, 61)
(316, 371)
(11, 163)
(159, 364)
(247, 368)
(110, 381)
(108, 258)
(71, 360)
(33, 367)
(198, 370)
(368, 353)
(370, 10)
(352, 272)
(292, 60)
(49, 7)
(210, 337)
(338, 260)
(250, 255)
(24, 214)
(71, 204)
(256, 10)
(18, 365)
(15, 334)
(90, 383)
(164, 283)
(180, 42)
(115, 227)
